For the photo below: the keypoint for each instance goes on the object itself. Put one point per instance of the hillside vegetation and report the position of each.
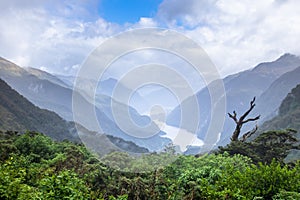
(17, 113)
(289, 113)
(32, 166)
(49, 92)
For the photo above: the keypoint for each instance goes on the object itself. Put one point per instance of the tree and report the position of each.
(275, 144)
(241, 121)
(266, 147)
(64, 185)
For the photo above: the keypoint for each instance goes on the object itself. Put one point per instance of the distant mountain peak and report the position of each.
(110, 79)
(35, 70)
(7, 67)
(45, 76)
(286, 62)
(288, 57)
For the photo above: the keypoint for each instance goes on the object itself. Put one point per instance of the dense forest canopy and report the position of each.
(33, 166)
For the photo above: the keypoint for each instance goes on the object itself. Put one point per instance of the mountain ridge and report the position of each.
(19, 114)
(269, 101)
(48, 95)
(289, 113)
(240, 88)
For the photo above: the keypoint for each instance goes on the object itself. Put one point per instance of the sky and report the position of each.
(121, 12)
(58, 35)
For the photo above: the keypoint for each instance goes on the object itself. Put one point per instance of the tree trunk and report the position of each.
(239, 122)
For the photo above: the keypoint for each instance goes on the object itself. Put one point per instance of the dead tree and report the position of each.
(242, 120)
(248, 134)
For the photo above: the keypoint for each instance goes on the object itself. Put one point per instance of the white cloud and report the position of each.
(189, 13)
(237, 34)
(33, 36)
(146, 23)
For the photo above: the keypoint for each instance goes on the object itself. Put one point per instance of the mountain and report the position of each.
(106, 88)
(68, 80)
(46, 76)
(288, 114)
(18, 114)
(40, 91)
(240, 88)
(48, 92)
(103, 107)
(268, 103)
(288, 118)
(157, 95)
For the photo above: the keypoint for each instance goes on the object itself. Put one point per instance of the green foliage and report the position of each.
(122, 197)
(284, 195)
(200, 178)
(17, 113)
(266, 147)
(35, 145)
(65, 185)
(117, 160)
(6, 144)
(289, 113)
(291, 102)
(13, 179)
(263, 180)
(35, 167)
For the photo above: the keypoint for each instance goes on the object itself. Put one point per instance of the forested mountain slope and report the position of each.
(48, 92)
(240, 88)
(18, 114)
(289, 113)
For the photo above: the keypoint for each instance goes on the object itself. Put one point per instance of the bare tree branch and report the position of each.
(252, 105)
(251, 119)
(233, 116)
(239, 122)
(249, 133)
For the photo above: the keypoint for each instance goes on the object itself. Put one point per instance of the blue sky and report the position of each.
(130, 11)
(58, 35)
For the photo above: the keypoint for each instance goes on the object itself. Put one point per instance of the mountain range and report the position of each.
(288, 113)
(49, 92)
(269, 82)
(288, 117)
(18, 114)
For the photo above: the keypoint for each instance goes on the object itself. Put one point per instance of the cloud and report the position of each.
(146, 22)
(188, 13)
(59, 34)
(34, 35)
(55, 35)
(237, 34)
